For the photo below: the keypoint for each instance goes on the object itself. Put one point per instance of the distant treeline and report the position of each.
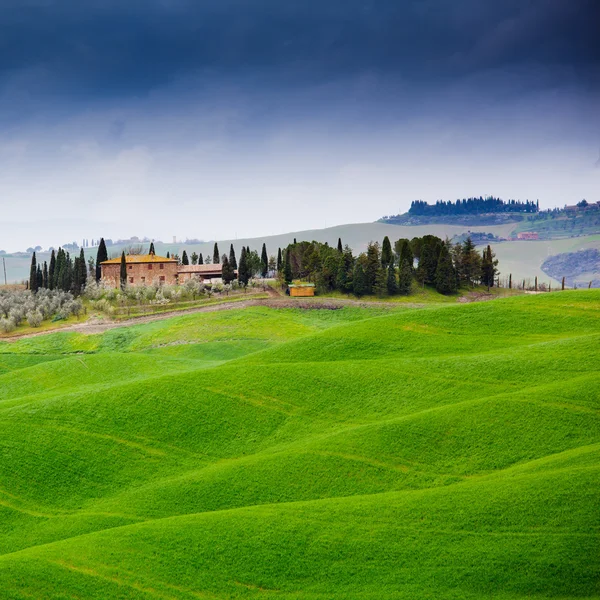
(471, 206)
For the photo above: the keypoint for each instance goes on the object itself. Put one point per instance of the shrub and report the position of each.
(34, 318)
(7, 325)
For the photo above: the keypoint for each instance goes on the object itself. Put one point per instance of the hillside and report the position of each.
(445, 452)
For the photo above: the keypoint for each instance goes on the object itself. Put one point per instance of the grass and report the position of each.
(449, 451)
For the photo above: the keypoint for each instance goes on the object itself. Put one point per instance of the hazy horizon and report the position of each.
(233, 119)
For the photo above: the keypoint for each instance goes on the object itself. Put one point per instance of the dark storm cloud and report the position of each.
(108, 48)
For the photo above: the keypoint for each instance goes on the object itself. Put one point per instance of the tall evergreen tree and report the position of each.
(372, 266)
(243, 271)
(405, 278)
(380, 287)
(386, 252)
(152, 251)
(216, 257)
(168, 254)
(287, 268)
(232, 259)
(39, 277)
(359, 279)
(279, 260)
(392, 284)
(184, 258)
(82, 270)
(45, 275)
(194, 258)
(489, 265)
(200, 259)
(123, 271)
(339, 246)
(227, 273)
(264, 261)
(470, 263)
(101, 256)
(51, 268)
(445, 276)
(430, 250)
(33, 274)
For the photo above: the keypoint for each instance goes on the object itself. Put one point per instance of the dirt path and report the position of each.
(276, 300)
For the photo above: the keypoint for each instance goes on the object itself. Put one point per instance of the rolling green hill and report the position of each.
(443, 452)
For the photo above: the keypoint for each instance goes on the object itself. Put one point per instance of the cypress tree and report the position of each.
(82, 271)
(428, 260)
(405, 277)
(392, 285)
(372, 266)
(264, 261)
(232, 259)
(33, 274)
(359, 280)
(51, 269)
(45, 275)
(510, 281)
(386, 252)
(340, 247)
(445, 277)
(227, 274)
(470, 262)
(101, 256)
(200, 259)
(76, 283)
(152, 251)
(216, 257)
(39, 277)
(279, 260)
(288, 276)
(123, 272)
(194, 258)
(184, 258)
(243, 272)
(168, 254)
(380, 286)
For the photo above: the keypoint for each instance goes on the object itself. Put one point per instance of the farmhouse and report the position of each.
(528, 235)
(211, 273)
(145, 269)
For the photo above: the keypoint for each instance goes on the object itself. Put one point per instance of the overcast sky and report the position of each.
(220, 118)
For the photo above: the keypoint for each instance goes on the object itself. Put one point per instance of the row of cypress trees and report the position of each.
(63, 273)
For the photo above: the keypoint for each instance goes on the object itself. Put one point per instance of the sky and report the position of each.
(216, 119)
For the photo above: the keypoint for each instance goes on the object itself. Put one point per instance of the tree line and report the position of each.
(472, 206)
(386, 270)
(382, 270)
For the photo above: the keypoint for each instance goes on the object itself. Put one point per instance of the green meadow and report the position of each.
(444, 452)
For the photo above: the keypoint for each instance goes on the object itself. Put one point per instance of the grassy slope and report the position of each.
(447, 452)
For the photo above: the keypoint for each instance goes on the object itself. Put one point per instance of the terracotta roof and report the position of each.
(140, 258)
(200, 268)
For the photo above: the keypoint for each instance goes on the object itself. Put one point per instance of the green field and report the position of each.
(372, 452)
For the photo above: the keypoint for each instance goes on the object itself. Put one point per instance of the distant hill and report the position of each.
(578, 268)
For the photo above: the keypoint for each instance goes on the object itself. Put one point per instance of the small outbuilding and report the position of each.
(302, 290)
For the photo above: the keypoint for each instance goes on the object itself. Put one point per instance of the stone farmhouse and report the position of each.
(145, 269)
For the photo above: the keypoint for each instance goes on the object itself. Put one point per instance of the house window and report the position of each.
(143, 280)
(150, 267)
(131, 280)
(162, 266)
(130, 267)
(162, 279)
